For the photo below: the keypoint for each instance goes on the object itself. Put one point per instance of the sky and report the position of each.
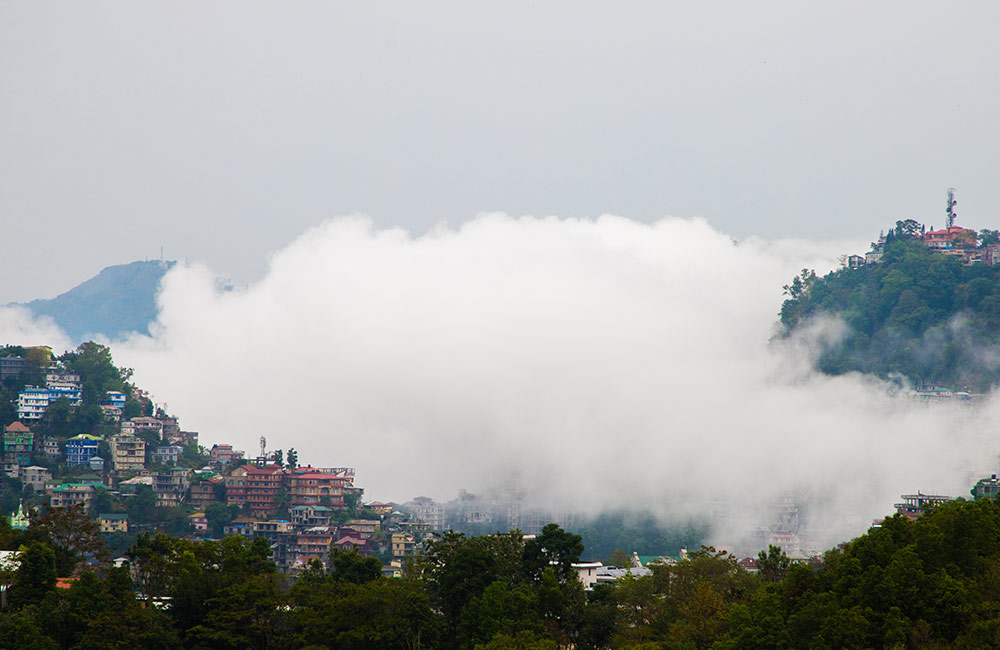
(218, 132)
(546, 239)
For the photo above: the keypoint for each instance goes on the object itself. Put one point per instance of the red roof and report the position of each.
(17, 427)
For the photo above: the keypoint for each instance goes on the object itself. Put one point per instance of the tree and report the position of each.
(293, 458)
(988, 237)
(36, 576)
(249, 614)
(619, 558)
(554, 548)
(132, 409)
(908, 229)
(351, 567)
(74, 536)
(772, 565)
(800, 284)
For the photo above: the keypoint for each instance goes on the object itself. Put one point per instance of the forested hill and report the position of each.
(919, 313)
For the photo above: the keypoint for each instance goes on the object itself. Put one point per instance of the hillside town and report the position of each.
(138, 471)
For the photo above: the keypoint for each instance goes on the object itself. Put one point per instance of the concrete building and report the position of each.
(12, 367)
(32, 402)
(18, 441)
(166, 455)
(426, 510)
(263, 486)
(113, 522)
(80, 449)
(69, 494)
(207, 492)
(128, 453)
(171, 486)
(309, 487)
(986, 488)
(35, 476)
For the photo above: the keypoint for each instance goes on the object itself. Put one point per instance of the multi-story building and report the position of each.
(115, 399)
(206, 493)
(427, 510)
(113, 522)
(236, 486)
(184, 438)
(35, 476)
(365, 527)
(50, 448)
(308, 487)
(166, 455)
(32, 402)
(128, 453)
(224, 455)
(986, 488)
(17, 443)
(171, 486)
(12, 367)
(313, 542)
(58, 377)
(915, 505)
(169, 428)
(111, 413)
(310, 516)
(403, 545)
(263, 486)
(80, 449)
(70, 494)
(143, 424)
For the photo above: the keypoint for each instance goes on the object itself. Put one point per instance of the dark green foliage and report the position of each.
(553, 548)
(640, 533)
(930, 583)
(919, 313)
(36, 576)
(98, 373)
(351, 567)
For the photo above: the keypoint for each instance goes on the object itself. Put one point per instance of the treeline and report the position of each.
(918, 313)
(933, 583)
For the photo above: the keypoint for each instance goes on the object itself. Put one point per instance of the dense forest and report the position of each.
(929, 583)
(919, 314)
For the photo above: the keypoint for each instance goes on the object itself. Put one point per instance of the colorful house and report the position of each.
(17, 443)
(80, 449)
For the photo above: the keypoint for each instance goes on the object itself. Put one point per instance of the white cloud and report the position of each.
(607, 362)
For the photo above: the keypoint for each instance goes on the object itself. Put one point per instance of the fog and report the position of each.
(604, 363)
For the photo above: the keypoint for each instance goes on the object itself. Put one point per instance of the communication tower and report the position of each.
(951, 208)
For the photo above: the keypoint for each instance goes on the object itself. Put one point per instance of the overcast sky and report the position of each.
(223, 130)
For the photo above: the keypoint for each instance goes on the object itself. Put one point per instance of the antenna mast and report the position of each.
(951, 208)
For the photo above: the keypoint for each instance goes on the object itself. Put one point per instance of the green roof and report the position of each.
(117, 516)
(85, 436)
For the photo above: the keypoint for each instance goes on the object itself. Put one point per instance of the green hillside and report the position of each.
(920, 313)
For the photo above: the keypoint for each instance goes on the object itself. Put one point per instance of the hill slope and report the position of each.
(118, 300)
(919, 313)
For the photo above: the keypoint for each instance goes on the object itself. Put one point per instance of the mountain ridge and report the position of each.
(119, 300)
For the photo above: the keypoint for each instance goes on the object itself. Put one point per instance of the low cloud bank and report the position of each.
(605, 363)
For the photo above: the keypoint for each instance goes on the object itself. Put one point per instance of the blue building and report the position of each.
(80, 449)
